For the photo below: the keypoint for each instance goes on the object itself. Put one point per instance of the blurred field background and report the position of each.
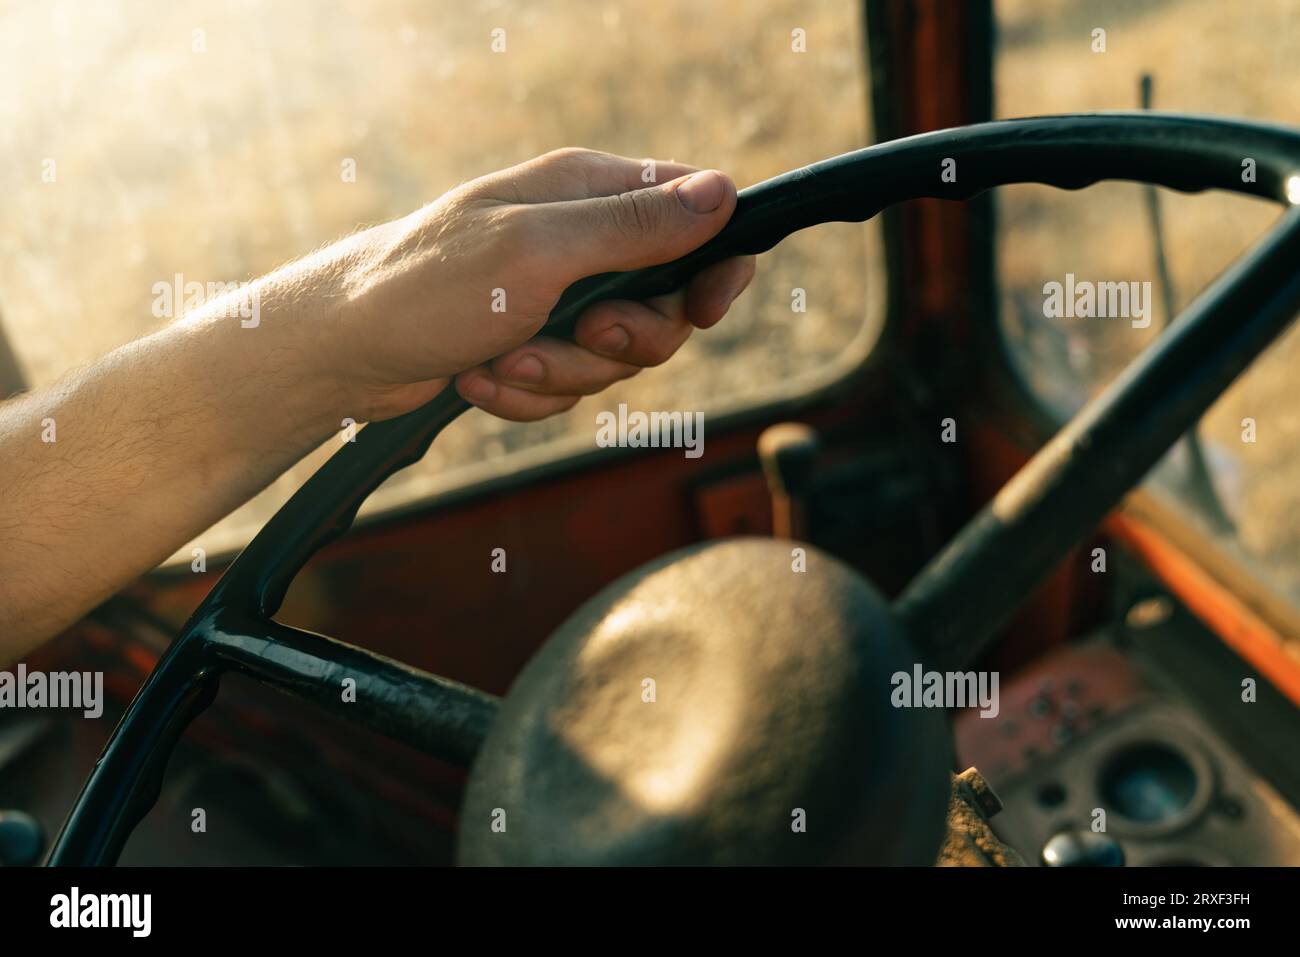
(222, 165)
(1206, 56)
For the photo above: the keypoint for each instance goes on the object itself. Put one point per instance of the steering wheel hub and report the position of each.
(716, 706)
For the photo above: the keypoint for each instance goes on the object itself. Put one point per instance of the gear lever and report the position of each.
(787, 451)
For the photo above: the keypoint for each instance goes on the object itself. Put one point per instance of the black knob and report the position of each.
(1082, 848)
(22, 839)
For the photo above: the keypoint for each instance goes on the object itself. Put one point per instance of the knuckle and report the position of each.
(568, 154)
(636, 213)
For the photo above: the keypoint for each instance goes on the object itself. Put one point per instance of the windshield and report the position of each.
(145, 142)
(1237, 476)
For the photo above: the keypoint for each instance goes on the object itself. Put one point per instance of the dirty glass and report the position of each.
(1238, 476)
(140, 141)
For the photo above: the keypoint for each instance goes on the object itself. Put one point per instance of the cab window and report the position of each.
(235, 137)
(1237, 476)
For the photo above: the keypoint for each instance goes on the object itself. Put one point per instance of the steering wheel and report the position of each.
(945, 617)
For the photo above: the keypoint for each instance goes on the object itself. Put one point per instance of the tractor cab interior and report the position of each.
(988, 553)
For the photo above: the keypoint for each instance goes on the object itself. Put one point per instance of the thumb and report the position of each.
(642, 227)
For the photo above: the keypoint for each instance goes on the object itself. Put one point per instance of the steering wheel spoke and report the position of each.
(439, 717)
(972, 587)
(443, 718)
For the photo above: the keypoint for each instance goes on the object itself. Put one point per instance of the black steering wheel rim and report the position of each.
(1090, 464)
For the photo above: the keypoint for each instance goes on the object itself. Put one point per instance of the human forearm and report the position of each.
(163, 437)
(105, 473)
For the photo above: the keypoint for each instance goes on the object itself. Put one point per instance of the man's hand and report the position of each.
(458, 287)
(110, 471)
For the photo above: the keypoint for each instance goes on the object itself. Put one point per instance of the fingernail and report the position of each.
(528, 369)
(702, 192)
(478, 388)
(613, 339)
